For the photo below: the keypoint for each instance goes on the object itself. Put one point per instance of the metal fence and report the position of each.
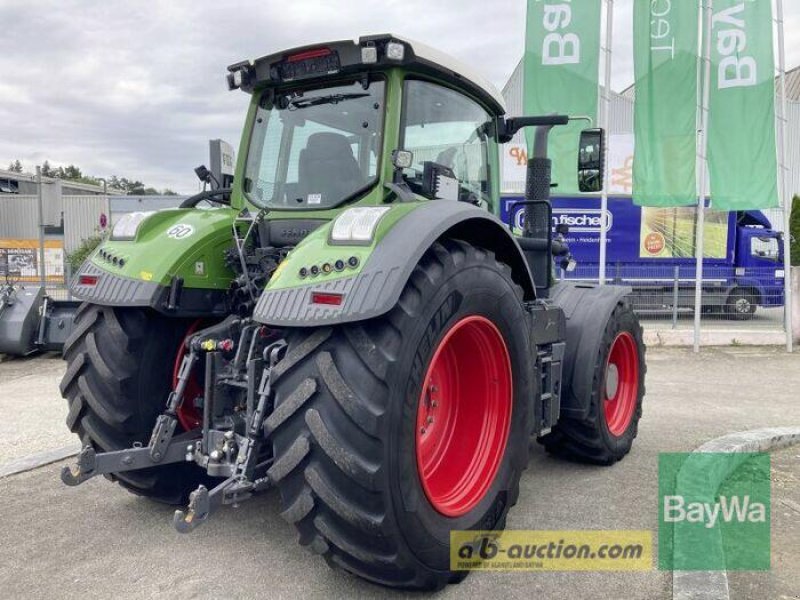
(664, 296)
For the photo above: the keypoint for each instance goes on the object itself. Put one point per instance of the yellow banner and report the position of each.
(551, 550)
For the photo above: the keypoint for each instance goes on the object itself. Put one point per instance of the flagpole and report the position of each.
(698, 282)
(783, 186)
(606, 123)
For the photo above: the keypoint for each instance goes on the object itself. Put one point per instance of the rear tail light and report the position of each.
(327, 298)
(87, 280)
(316, 53)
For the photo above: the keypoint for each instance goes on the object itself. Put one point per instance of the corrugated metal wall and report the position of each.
(82, 218)
(19, 217)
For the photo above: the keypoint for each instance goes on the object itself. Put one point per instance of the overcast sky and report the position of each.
(136, 88)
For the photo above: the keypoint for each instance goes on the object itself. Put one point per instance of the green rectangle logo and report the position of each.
(714, 511)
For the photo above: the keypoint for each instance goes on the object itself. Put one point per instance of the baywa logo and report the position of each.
(714, 511)
(736, 508)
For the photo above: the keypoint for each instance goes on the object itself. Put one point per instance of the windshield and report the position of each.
(315, 148)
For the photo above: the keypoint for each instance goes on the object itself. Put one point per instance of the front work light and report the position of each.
(402, 159)
(128, 225)
(357, 224)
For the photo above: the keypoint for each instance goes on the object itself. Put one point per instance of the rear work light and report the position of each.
(87, 280)
(327, 298)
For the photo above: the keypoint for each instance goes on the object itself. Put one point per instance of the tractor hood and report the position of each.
(165, 249)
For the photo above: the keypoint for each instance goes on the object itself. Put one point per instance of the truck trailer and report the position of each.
(652, 250)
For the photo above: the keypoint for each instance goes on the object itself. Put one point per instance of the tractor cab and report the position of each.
(325, 129)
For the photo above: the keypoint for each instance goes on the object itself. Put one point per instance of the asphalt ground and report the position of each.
(98, 541)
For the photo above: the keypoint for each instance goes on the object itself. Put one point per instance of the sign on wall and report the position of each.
(22, 257)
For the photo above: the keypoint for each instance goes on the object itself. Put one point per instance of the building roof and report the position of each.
(792, 86)
(87, 187)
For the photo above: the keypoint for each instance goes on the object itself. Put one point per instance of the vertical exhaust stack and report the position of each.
(538, 212)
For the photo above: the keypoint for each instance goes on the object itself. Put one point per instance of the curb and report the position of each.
(713, 337)
(34, 461)
(713, 585)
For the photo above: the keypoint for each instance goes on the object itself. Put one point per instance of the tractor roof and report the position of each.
(321, 61)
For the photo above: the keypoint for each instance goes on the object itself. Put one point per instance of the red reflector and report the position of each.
(87, 280)
(325, 298)
(316, 53)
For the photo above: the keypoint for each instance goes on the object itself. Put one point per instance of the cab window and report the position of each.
(767, 248)
(444, 127)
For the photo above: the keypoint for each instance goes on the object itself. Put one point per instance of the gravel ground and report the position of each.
(97, 541)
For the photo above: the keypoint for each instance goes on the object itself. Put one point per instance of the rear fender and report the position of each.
(375, 287)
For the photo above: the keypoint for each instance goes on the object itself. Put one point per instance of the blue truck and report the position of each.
(653, 251)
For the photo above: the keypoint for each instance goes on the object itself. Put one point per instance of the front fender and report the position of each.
(374, 288)
(587, 309)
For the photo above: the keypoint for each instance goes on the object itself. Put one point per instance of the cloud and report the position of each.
(137, 88)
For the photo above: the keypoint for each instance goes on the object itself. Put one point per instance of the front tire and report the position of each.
(119, 374)
(357, 475)
(606, 433)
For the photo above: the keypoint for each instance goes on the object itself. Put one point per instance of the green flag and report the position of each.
(665, 42)
(742, 157)
(561, 73)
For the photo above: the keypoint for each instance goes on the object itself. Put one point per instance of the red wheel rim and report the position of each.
(463, 416)
(189, 416)
(621, 383)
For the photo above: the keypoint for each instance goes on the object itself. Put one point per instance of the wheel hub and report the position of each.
(463, 416)
(612, 380)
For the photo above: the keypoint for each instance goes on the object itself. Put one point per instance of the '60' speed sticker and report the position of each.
(180, 231)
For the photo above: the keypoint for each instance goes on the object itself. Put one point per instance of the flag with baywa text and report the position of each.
(561, 74)
(742, 153)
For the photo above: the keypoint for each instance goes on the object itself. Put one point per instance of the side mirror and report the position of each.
(591, 160)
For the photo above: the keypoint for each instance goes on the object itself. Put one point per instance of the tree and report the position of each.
(794, 231)
(169, 192)
(15, 166)
(47, 170)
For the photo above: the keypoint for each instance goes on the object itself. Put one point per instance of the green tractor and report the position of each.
(350, 322)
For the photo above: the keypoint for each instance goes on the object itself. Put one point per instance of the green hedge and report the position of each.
(81, 253)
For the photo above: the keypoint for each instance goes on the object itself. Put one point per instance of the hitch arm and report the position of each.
(90, 463)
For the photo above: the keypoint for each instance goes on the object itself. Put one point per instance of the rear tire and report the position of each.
(345, 426)
(605, 435)
(119, 374)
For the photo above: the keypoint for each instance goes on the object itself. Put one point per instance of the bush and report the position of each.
(794, 231)
(81, 253)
